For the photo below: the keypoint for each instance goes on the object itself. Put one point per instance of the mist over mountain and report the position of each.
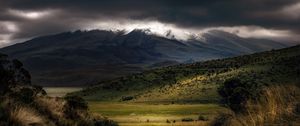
(82, 57)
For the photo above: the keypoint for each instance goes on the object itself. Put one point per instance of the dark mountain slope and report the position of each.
(80, 57)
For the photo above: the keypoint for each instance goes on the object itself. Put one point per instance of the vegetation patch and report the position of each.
(23, 104)
(187, 120)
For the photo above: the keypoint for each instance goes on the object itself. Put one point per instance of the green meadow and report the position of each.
(147, 113)
(144, 114)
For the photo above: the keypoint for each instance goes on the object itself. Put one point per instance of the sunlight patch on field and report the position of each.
(188, 89)
(142, 114)
(153, 121)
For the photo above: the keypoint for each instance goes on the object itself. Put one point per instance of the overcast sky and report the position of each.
(276, 19)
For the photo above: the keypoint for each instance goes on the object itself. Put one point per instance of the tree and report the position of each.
(235, 94)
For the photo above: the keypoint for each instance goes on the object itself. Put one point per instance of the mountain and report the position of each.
(82, 57)
(199, 82)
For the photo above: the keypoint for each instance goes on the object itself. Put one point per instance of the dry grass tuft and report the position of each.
(55, 105)
(276, 106)
(22, 116)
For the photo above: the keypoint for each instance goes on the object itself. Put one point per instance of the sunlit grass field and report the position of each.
(146, 114)
(142, 114)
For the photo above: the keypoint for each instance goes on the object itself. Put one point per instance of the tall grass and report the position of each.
(23, 116)
(48, 111)
(276, 106)
(54, 105)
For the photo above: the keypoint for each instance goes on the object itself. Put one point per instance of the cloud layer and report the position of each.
(21, 19)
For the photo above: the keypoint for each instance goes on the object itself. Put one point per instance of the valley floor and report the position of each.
(147, 114)
(142, 114)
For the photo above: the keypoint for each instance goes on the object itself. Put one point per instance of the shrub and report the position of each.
(38, 90)
(127, 98)
(25, 95)
(75, 102)
(105, 123)
(202, 118)
(235, 93)
(187, 120)
(168, 121)
(17, 64)
(3, 114)
(297, 108)
(5, 79)
(225, 119)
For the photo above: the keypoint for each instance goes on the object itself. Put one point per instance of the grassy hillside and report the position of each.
(198, 82)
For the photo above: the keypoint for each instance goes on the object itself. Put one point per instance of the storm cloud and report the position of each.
(21, 19)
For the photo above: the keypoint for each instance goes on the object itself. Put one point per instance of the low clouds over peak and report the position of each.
(21, 19)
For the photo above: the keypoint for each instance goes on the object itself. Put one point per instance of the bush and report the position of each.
(3, 114)
(297, 108)
(202, 118)
(235, 93)
(73, 104)
(127, 98)
(24, 95)
(225, 119)
(105, 123)
(168, 121)
(17, 64)
(76, 102)
(6, 79)
(187, 120)
(38, 90)
(11, 74)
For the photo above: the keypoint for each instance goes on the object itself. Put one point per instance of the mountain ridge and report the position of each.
(95, 52)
